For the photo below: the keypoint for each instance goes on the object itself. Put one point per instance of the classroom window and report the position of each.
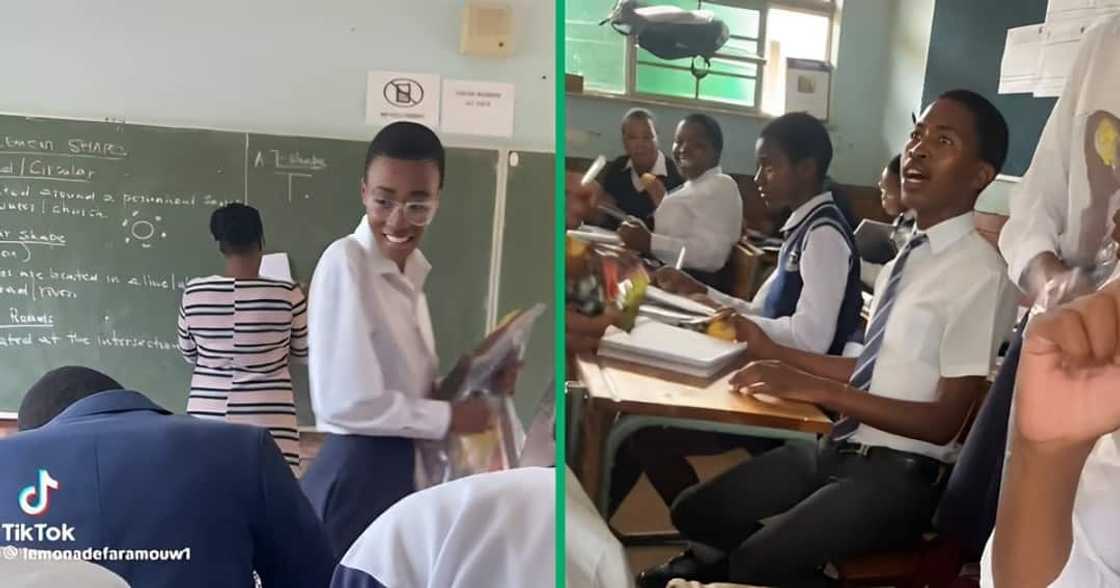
(745, 73)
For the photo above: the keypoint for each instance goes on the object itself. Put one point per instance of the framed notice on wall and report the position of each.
(808, 85)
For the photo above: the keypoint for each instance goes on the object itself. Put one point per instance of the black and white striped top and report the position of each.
(240, 335)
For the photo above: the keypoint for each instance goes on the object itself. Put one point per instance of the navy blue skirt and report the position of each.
(354, 479)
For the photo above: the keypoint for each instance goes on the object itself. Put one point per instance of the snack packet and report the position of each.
(597, 277)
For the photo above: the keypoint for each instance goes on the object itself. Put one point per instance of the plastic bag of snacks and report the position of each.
(597, 277)
(1081, 279)
(498, 447)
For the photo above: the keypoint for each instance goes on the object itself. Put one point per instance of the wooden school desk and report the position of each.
(617, 393)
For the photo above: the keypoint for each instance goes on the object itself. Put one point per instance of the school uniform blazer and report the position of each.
(126, 474)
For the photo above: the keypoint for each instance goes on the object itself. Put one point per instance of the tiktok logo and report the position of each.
(39, 493)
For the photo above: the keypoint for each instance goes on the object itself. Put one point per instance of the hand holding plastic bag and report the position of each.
(482, 379)
(1080, 280)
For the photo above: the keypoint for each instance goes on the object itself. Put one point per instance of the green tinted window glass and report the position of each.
(739, 68)
(727, 89)
(598, 53)
(742, 22)
(740, 48)
(652, 79)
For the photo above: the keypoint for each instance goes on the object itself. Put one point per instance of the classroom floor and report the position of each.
(643, 510)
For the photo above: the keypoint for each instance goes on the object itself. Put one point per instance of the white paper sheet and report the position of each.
(275, 266)
(392, 96)
(1066, 23)
(1018, 71)
(478, 108)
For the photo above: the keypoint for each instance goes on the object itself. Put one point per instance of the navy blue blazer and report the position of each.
(120, 472)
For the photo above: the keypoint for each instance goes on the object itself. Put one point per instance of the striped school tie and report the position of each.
(865, 365)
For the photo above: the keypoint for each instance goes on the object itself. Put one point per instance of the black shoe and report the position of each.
(686, 567)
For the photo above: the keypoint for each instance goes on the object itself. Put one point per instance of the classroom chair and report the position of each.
(574, 393)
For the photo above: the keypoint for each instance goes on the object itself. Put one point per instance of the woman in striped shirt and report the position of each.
(239, 330)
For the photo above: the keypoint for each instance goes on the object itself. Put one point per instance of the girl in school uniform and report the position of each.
(373, 372)
(240, 330)
(704, 216)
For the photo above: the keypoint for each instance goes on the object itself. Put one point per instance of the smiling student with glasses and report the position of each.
(373, 361)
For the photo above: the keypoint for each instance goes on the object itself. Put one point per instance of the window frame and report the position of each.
(826, 8)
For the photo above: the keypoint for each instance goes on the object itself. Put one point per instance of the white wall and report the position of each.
(907, 49)
(275, 66)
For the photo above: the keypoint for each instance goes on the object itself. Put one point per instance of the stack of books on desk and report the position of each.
(670, 348)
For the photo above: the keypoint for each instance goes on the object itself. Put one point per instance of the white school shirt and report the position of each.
(659, 169)
(824, 270)
(373, 359)
(952, 309)
(1052, 208)
(1094, 558)
(705, 216)
(496, 529)
(595, 558)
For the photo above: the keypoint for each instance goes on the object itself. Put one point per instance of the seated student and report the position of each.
(943, 306)
(580, 200)
(496, 529)
(812, 300)
(126, 474)
(875, 252)
(1058, 512)
(704, 216)
(638, 181)
(890, 189)
(583, 332)
(1059, 220)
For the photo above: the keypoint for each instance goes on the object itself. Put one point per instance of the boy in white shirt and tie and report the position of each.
(942, 308)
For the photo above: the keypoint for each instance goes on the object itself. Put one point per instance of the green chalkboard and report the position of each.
(101, 224)
(527, 267)
(966, 46)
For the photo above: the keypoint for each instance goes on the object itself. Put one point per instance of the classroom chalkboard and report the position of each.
(966, 46)
(526, 270)
(101, 225)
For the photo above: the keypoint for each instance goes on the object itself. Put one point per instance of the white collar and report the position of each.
(416, 267)
(715, 171)
(659, 167)
(802, 211)
(947, 232)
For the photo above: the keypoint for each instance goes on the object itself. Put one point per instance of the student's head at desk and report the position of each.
(793, 154)
(697, 145)
(580, 199)
(955, 150)
(57, 390)
(639, 139)
(890, 187)
(401, 184)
